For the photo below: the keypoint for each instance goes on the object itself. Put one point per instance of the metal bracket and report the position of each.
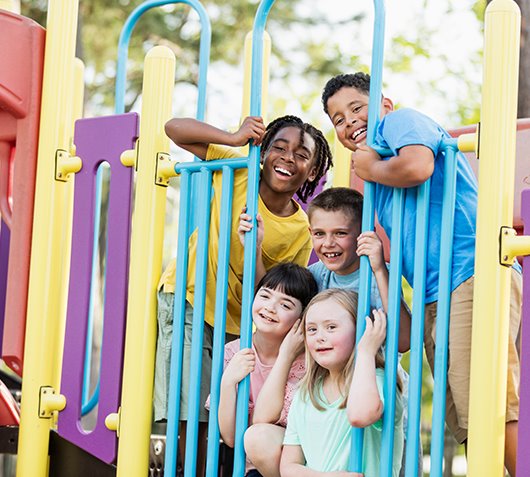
(511, 245)
(65, 165)
(165, 169)
(50, 402)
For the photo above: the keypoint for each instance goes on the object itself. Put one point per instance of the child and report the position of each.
(295, 156)
(415, 141)
(335, 225)
(342, 387)
(277, 350)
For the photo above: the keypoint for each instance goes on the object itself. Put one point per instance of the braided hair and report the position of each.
(323, 156)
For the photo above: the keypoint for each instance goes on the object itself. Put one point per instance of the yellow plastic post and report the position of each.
(245, 110)
(47, 281)
(341, 165)
(495, 209)
(145, 267)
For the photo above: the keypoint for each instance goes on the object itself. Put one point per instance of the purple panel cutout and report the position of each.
(98, 140)
(313, 258)
(523, 452)
(5, 235)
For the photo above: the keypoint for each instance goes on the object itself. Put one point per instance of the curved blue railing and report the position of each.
(123, 51)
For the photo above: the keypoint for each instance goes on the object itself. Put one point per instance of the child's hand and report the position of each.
(293, 343)
(245, 225)
(374, 334)
(363, 161)
(369, 244)
(251, 128)
(241, 364)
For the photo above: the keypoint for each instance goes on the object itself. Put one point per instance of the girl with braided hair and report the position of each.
(294, 156)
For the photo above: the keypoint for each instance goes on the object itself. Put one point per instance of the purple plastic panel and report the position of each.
(98, 140)
(5, 234)
(313, 258)
(523, 452)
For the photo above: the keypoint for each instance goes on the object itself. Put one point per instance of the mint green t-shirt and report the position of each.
(325, 436)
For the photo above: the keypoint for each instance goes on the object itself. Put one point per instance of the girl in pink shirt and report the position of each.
(275, 364)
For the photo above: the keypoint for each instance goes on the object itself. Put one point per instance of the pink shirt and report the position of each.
(260, 374)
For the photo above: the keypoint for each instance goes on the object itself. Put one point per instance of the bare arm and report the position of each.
(241, 364)
(412, 166)
(270, 400)
(195, 136)
(364, 405)
(369, 244)
(292, 464)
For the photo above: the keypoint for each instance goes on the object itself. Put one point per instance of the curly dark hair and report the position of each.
(323, 156)
(360, 81)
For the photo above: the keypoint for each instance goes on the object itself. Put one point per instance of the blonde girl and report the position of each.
(342, 387)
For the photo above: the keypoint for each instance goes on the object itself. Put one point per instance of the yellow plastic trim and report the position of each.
(512, 246)
(112, 422)
(491, 299)
(145, 268)
(50, 402)
(468, 142)
(165, 169)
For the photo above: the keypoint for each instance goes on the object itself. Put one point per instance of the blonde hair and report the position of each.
(315, 374)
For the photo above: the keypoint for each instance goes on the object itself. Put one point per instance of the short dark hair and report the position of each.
(344, 199)
(323, 156)
(360, 81)
(291, 279)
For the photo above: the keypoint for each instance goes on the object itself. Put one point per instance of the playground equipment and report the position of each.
(57, 291)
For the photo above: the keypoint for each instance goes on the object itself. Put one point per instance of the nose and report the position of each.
(288, 155)
(329, 240)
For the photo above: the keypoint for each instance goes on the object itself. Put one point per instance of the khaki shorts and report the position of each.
(163, 360)
(457, 396)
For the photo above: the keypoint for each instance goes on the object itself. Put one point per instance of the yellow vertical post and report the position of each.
(245, 110)
(495, 209)
(45, 315)
(341, 165)
(145, 267)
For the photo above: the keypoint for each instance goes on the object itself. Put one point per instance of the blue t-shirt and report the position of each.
(325, 279)
(407, 127)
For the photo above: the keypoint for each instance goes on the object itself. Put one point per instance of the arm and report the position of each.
(245, 225)
(364, 405)
(369, 244)
(292, 464)
(271, 398)
(412, 166)
(240, 366)
(195, 136)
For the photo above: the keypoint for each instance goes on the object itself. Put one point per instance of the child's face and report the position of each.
(287, 163)
(275, 312)
(330, 334)
(334, 235)
(348, 111)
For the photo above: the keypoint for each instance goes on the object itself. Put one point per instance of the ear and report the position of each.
(312, 174)
(386, 106)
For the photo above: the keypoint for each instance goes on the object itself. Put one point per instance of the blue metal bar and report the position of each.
(214, 165)
(199, 306)
(416, 340)
(88, 402)
(177, 342)
(221, 294)
(250, 238)
(442, 317)
(123, 51)
(391, 348)
(365, 272)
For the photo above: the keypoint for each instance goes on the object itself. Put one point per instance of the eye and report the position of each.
(310, 329)
(287, 306)
(339, 121)
(332, 326)
(318, 234)
(302, 157)
(357, 109)
(278, 148)
(341, 234)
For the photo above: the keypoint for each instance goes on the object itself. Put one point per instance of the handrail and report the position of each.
(365, 273)
(204, 50)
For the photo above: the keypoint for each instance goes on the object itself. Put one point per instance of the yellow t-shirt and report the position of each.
(286, 239)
